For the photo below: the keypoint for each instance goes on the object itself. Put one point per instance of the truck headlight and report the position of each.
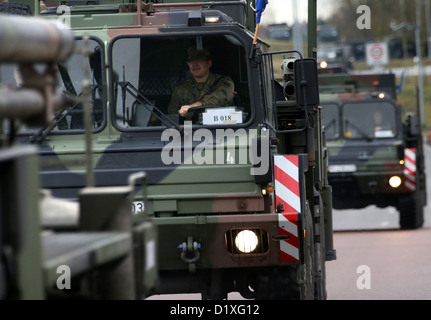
(395, 181)
(246, 241)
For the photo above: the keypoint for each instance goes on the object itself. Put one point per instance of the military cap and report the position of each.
(194, 54)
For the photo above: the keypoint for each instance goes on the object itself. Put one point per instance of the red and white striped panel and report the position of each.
(410, 169)
(288, 226)
(286, 176)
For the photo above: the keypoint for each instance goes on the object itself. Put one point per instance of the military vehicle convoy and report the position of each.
(375, 158)
(51, 248)
(239, 193)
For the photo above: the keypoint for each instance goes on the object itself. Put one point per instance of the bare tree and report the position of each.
(384, 13)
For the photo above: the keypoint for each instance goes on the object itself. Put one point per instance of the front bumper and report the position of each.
(365, 183)
(280, 237)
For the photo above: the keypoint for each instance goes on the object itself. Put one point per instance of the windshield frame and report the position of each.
(41, 132)
(243, 72)
(365, 135)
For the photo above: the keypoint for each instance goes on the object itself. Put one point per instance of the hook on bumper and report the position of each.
(190, 254)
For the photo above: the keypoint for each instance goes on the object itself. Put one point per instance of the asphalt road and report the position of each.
(375, 259)
(396, 262)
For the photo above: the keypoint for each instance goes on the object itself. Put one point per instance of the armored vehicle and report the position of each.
(238, 191)
(374, 157)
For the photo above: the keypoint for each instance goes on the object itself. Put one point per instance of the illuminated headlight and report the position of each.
(395, 181)
(323, 64)
(246, 241)
(249, 243)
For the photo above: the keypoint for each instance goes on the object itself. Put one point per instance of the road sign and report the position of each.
(377, 54)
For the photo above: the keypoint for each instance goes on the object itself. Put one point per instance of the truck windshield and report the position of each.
(154, 77)
(71, 75)
(331, 120)
(369, 120)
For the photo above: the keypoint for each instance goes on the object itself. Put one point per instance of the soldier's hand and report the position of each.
(183, 110)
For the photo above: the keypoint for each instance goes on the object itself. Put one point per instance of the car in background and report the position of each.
(279, 31)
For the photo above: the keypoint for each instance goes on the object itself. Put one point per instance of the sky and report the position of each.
(278, 11)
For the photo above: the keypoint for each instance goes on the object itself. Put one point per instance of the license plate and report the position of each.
(342, 168)
(138, 207)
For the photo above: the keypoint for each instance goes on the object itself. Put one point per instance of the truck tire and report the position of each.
(320, 252)
(15, 8)
(306, 270)
(411, 211)
(279, 283)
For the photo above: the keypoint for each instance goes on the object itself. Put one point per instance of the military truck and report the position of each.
(240, 193)
(279, 31)
(51, 248)
(375, 158)
(335, 58)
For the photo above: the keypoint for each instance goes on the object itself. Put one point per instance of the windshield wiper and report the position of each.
(40, 134)
(330, 124)
(168, 122)
(71, 95)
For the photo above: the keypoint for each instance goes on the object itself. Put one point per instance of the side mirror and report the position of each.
(306, 83)
(413, 126)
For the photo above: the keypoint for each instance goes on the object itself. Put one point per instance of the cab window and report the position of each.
(70, 76)
(369, 120)
(331, 120)
(153, 78)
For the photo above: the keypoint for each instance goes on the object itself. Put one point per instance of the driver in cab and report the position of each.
(205, 88)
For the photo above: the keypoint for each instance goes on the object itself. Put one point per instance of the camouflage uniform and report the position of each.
(217, 90)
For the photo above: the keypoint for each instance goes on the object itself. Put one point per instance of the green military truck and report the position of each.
(51, 248)
(239, 193)
(375, 158)
(334, 59)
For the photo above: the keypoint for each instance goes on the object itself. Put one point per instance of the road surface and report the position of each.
(370, 243)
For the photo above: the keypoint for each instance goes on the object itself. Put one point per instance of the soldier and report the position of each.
(205, 88)
(382, 126)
